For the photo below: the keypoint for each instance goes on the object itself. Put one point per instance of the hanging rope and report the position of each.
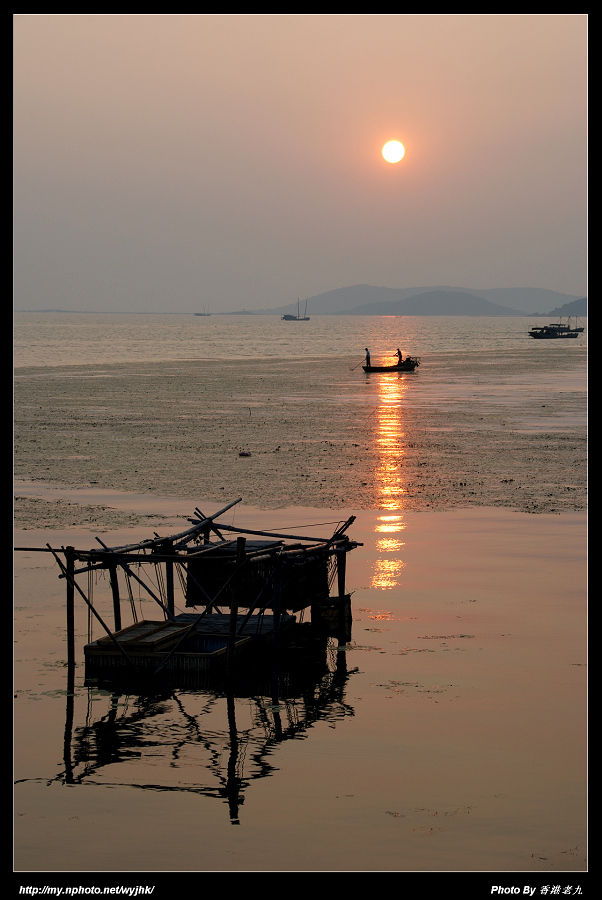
(131, 597)
(160, 583)
(332, 571)
(138, 567)
(181, 579)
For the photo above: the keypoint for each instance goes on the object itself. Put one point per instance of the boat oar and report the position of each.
(355, 367)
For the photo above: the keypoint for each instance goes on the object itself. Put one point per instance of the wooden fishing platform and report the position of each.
(175, 647)
(245, 586)
(150, 646)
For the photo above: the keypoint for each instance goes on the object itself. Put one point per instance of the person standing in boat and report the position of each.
(399, 357)
(367, 357)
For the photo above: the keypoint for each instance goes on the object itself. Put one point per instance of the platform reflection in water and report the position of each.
(209, 735)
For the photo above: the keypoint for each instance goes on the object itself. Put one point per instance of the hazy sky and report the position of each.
(172, 162)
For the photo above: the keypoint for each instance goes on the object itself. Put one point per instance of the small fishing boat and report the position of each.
(407, 365)
(556, 330)
(298, 318)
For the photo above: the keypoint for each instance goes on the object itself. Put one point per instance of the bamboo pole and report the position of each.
(189, 534)
(114, 582)
(69, 568)
(292, 537)
(169, 586)
(208, 528)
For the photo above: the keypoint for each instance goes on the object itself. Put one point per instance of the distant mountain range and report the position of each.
(435, 303)
(368, 300)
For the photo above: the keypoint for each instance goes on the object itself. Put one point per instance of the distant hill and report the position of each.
(347, 300)
(435, 303)
(575, 308)
(529, 300)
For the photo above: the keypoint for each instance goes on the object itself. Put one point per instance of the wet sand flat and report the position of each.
(470, 431)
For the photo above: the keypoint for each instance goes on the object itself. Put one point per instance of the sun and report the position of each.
(393, 151)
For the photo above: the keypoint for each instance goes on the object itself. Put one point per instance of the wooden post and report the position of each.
(70, 569)
(114, 581)
(169, 580)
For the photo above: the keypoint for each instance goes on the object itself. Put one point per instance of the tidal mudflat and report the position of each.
(467, 430)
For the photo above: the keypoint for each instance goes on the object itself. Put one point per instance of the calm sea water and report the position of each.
(57, 338)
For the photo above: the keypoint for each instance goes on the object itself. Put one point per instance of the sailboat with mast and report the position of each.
(298, 317)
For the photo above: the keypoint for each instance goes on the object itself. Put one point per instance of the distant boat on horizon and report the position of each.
(298, 317)
(204, 313)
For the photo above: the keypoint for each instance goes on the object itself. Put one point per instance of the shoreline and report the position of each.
(98, 509)
(50, 506)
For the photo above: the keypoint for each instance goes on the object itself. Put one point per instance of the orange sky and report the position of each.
(162, 162)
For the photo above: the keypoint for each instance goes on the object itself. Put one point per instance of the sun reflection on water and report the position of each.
(386, 572)
(389, 545)
(389, 432)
